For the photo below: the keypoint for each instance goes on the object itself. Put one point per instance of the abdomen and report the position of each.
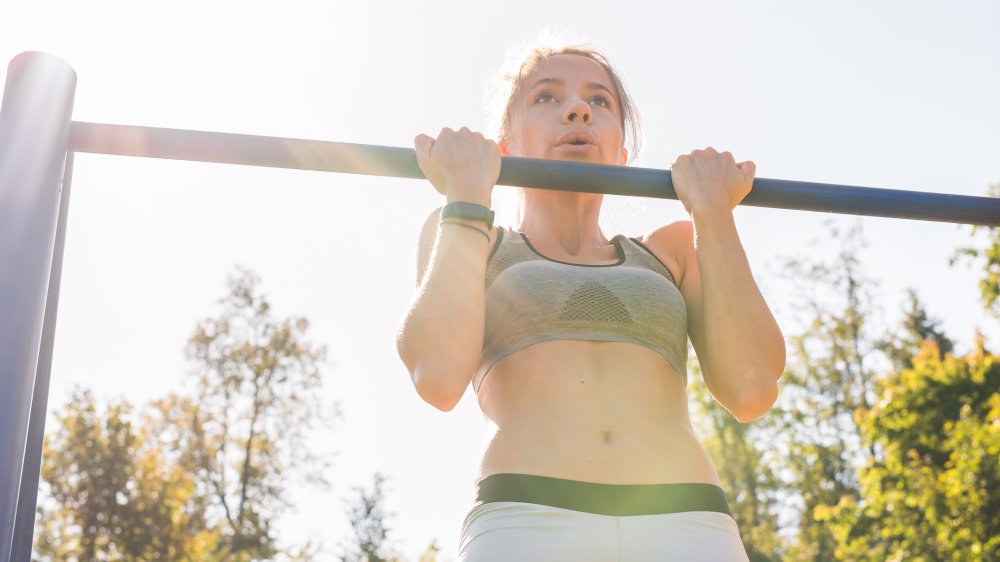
(606, 412)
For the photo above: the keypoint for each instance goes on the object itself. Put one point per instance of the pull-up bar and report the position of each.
(38, 139)
(277, 152)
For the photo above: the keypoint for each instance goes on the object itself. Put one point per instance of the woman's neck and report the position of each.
(564, 220)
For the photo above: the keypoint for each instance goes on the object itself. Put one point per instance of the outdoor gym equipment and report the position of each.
(38, 140)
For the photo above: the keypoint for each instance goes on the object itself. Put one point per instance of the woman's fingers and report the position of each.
(422, 145)
(461, 164)
(709, 178)
(748, 168)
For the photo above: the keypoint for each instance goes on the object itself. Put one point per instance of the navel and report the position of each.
(607, 436)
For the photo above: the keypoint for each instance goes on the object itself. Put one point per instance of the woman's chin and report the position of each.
(577, 153)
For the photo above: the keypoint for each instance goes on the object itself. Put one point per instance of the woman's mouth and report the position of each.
(576, 147)
(577, 141)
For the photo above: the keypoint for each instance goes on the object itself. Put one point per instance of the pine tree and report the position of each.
(918, 327)
(816, 440)
(370, 542)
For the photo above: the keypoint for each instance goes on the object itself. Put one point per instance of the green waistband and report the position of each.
(604, 499)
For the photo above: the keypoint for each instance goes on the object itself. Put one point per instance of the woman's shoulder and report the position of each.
(669, 237)
(672, 244)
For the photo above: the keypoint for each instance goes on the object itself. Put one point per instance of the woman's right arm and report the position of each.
(441, 335)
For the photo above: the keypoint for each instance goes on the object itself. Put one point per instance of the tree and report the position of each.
(431, 554)
(367, 517)
(931, 492)
(737, 453)
(918, 327)
(113, 495)
(243, 434)
(816, 440)
(892, 463)
(203, 476)
(989, 285)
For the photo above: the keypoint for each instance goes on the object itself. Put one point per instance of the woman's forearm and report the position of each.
(441, 335)
(744, 346)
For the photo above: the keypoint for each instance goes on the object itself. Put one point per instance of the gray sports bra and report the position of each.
(531, 298)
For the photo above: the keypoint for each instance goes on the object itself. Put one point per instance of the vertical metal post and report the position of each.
(27, 498)
(34, 134)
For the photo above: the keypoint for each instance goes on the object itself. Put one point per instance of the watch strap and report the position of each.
(471, 211)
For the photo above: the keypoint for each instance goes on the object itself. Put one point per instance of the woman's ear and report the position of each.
(624, 157)
(502, 145)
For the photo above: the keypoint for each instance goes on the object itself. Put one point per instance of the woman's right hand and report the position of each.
(461, 165)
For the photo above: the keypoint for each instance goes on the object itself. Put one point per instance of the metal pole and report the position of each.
(228, 148)
(27, 499)
(34, 135)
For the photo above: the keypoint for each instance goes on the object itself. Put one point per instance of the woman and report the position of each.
(577, 347)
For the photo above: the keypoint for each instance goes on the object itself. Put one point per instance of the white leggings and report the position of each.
(528, 518)
(526, 532)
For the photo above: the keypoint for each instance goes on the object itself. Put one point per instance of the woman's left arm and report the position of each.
(740, 348)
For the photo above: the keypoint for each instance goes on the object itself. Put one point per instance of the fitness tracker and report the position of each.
(471, 211)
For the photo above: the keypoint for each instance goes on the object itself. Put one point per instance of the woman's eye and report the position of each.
(545, 97)
(601, 100)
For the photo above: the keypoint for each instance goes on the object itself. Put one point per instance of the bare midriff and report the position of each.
(607, 412)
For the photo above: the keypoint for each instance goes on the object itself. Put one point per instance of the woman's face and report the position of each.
(568, 110)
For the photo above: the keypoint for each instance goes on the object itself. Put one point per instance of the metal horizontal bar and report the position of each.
(277, 152)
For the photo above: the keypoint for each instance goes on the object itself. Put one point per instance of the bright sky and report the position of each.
(898, 94)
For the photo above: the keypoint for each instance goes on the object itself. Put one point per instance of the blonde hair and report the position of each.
(506, 86)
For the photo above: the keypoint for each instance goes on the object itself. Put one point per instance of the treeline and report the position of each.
(201, 475)
(883, 446)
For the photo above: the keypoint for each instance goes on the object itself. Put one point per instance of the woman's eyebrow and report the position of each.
(558, 82)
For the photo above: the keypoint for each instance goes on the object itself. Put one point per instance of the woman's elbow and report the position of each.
(759, 395)
(435, 391)
(755, 406)
(754, 403)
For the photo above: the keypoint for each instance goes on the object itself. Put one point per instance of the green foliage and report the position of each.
(431, 554)
(887, 460)
(370, 541)
(829, 380)
(744, 471)
(882, 446)
(113, 495)
(202, 476)
(889, 463)
(367, 517)
(930, 493)
(918, 327)
(989, 284)
(256, 384)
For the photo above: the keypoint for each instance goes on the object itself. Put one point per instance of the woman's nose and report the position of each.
(578, 112)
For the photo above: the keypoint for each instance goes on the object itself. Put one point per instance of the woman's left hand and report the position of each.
(707, 180)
